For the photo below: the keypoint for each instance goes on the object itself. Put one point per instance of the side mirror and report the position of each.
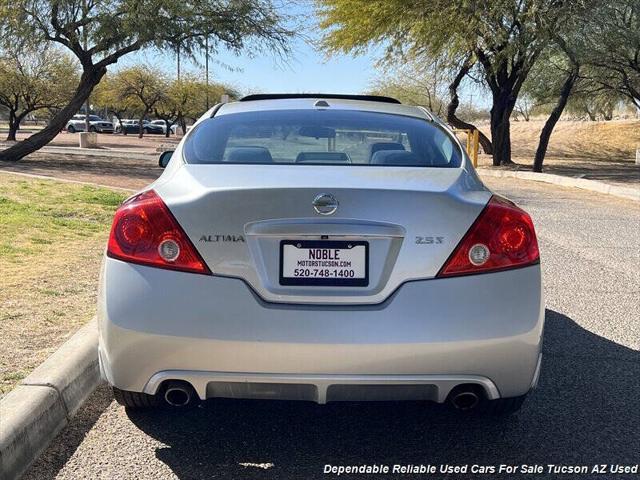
(164, 158)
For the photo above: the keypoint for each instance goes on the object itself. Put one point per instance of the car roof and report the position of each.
(366, 103)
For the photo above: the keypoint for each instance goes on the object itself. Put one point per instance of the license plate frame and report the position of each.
(324, 281)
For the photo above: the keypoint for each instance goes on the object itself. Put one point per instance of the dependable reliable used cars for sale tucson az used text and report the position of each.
(321, 248)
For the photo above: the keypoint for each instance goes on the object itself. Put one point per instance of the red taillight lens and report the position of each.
(144, 231)
(502, 237)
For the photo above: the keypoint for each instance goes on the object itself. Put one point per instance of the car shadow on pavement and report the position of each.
(583, 413)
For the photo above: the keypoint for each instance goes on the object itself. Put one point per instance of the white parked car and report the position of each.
(321, 248)
(96, 124)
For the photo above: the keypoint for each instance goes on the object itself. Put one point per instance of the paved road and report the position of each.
(585, 411)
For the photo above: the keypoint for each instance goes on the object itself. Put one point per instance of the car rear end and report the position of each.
(323, 250)
(103, 126)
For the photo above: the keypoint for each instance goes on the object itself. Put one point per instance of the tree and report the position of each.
(504, 36)
(30, 80)
(420, 80)
(592, 101)
(571, 76)
(612, 40)
(197, 99)
(109, 95)
(100, 33)
(169, 107)
(144, 87)
(187, 98)
(418, 83)
(525, 106)
(463, 69)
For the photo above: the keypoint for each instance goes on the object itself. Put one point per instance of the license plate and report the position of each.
(324, 263)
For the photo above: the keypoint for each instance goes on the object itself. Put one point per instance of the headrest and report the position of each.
(381, 146)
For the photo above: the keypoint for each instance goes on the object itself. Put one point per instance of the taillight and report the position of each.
(144, 231)
(502, 237)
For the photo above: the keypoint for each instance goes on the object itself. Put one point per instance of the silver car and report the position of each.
(322, 248)
(96, 124)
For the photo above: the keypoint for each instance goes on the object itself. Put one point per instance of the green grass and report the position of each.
(52, 239)
(34, 215)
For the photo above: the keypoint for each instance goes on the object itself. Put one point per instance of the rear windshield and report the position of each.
(321, 137)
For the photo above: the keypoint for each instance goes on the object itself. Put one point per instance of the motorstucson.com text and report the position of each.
(525, 469)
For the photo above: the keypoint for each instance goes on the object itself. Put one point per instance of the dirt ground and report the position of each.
(132, 173)
(107, 141)
(594, 150)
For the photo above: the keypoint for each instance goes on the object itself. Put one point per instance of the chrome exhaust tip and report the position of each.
(177, 395)
(466, 400)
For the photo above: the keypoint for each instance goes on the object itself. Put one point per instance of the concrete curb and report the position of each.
(629, 193)
(42, 404)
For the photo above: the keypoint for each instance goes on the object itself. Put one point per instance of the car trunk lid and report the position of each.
(406, 221)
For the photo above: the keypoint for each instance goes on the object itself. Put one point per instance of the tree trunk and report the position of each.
(503, 103)
(167, 130)
(141, 125)
(549, 125)
(14, 124)
(454, 102)
(88, 80)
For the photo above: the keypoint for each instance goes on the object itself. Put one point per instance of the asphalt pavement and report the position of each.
(585, 411)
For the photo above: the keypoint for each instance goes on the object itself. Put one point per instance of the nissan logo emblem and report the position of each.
(325, 204)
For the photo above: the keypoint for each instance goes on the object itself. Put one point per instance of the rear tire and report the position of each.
(135, 400)
(70, 129)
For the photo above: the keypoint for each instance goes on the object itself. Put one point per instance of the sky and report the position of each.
(307, 69)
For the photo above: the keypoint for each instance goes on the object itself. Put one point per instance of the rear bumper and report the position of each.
(321, 388)
(215, 333)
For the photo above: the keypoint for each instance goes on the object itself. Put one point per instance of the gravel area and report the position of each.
(584, 412)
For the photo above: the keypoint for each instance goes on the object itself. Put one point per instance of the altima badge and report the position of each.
(325, 204)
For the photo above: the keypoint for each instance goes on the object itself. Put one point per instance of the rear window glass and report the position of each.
(321, 137)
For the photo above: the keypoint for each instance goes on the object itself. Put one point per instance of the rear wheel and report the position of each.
(71, 129)
(135, 399)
